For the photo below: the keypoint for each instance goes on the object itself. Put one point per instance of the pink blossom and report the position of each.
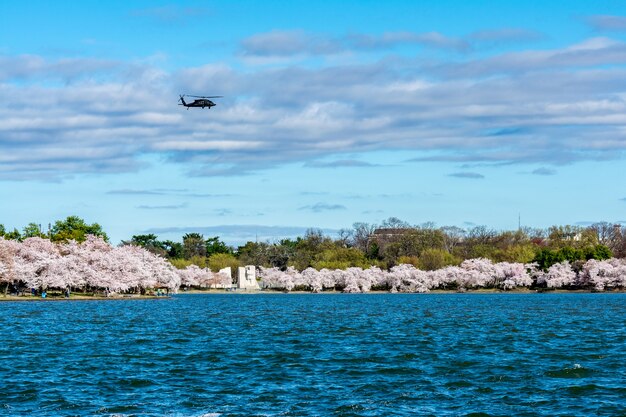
(558, 275)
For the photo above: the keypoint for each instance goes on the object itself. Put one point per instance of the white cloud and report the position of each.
(544, 107)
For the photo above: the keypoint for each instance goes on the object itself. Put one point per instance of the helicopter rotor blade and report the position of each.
(206, 96)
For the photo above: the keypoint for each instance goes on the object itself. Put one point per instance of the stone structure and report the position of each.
(246, 278)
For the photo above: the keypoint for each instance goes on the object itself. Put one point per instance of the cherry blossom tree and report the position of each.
(8, 248)
(194, 276)
(610, 273)
(514, 275)
(218, 279)
(277, 279)
(558, 276)
(407, 278)
(476, 273)
(312, 278)
(34, 258)
(40, 263)
(191, 276)
(480, 273)
(97, 266)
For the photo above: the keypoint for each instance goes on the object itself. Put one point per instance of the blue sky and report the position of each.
(461, 113)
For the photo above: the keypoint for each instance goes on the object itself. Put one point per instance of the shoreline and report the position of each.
(476, 291)
(27, 298)
(265, 292)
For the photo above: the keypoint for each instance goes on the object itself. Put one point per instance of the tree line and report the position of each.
(393, 256)
(391, 243)
(479, 273)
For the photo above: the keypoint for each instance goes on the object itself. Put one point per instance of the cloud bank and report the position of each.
(62, 118)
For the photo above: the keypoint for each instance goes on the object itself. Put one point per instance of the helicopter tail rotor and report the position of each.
(182, 99)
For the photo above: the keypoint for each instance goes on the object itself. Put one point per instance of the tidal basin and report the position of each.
(316, 354)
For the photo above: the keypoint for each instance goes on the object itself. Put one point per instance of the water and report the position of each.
(317, 355)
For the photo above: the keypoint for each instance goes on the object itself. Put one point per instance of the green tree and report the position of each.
(31, 230)
(417, 240)
(75, 228)
(13, 235)
(482, 250)
(174, 250)
(547, 257)
(193, 245)
(278, 255)
(432, 259)
(373, 251)
(150, 242)
(522, 253)
(219, 261)
(307, 248)
(254, 253)
(340, 258)
(215, 245)
(598, 252)
(180, 263)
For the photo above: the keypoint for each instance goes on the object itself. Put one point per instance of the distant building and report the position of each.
(384, 236)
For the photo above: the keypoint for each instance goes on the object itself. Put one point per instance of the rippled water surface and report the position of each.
(316, 355)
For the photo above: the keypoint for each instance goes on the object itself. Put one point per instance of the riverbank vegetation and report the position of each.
(393, 256)
(472, 274)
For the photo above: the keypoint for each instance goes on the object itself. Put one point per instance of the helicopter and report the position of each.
(202, 101)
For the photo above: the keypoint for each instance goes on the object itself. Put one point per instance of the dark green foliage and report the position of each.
(432, 259)
(545, 258)
(254, 253)
(150, 242)
(193, 245)
(338, 257)
(598, 252)
(75, 228)
(32, 230)
(374, 251)
(174, 250)
(13, 235)
(214, 245)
